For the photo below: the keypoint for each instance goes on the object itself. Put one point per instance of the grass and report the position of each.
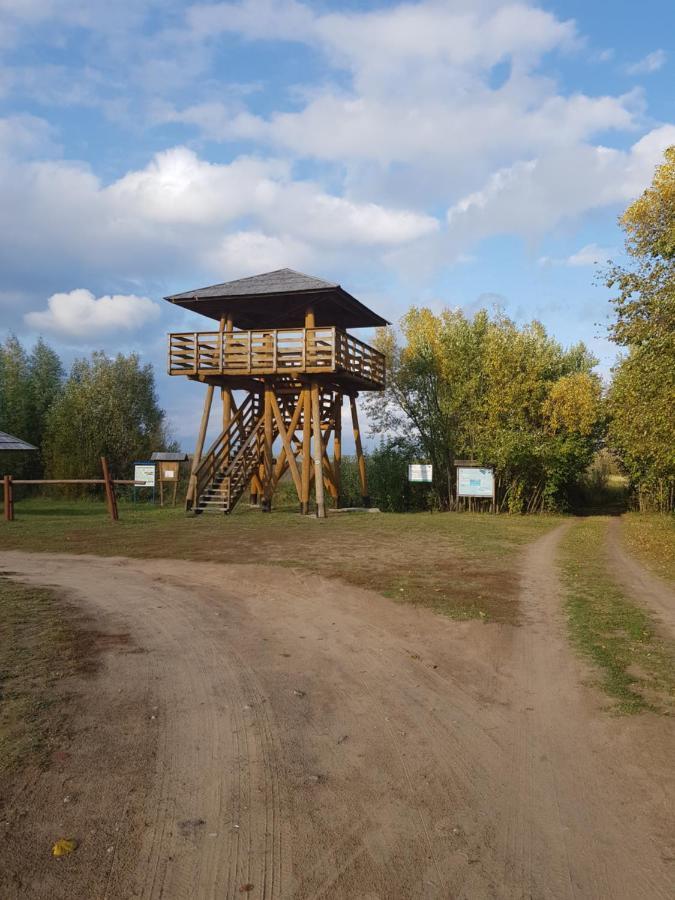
(651, 537)
(636, 666)
(460, 564)
(41, 643)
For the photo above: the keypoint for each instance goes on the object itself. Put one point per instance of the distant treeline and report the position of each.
(101, 407)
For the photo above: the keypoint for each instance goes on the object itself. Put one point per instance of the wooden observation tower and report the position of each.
(282, 341)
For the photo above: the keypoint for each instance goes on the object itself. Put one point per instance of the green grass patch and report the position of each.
(651, 538)
(41, 643)
(637, 667)
(463, 565)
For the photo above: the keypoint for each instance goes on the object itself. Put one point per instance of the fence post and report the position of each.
(8, 490)
(111, 500)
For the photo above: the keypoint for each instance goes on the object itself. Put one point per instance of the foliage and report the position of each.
(29, 383)
(483, 388)
(642, 395)
(108, 407)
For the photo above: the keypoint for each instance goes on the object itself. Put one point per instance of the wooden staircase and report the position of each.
(227, 467)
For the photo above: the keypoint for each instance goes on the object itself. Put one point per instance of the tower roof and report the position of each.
(279, 300)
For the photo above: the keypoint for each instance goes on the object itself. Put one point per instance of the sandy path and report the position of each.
(318, 741)
(643, 586)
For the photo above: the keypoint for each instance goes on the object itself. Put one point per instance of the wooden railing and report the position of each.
(274, 351)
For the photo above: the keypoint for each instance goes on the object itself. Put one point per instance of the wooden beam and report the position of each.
(337, 447)
(318, 453)
(306, 429)
(110, 497)
(267, 448)
(9, 498)
(295, 418)
(226, 327)
(363, 477)
(190, 498)
(287, 449)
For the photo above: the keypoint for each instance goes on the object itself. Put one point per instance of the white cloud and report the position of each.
(652, 62)
(180, 213)
(532, 197)
(589, 255)
(79, 315)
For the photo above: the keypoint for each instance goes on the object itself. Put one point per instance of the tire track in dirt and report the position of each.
(374, 750)
(644, 587)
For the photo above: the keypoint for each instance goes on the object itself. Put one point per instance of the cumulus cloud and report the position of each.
(588, 255)
(652, 62)
(533, 196)
(178, 213)
(80, 316)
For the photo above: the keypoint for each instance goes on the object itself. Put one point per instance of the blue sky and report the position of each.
(456, 153)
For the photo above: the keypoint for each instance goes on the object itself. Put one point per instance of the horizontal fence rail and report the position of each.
(274, 351)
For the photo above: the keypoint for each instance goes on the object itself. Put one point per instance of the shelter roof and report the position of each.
(9, 442)
(279, 299)
(162, 456)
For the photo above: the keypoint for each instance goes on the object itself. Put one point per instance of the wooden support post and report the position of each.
(190, 498)
(8, 498)
(337, 447)
(306, 424)
(226, 327)
(110, 497)
(267, 454)
(318, 453)
(363, 477)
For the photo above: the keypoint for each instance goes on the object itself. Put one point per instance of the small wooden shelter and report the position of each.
(281, 340)
(169, 471)
(9, 442)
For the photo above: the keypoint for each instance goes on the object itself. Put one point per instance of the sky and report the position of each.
(466, 153)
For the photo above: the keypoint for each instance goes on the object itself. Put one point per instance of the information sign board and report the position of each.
(420, 472)
(144, 475)
(475, 482)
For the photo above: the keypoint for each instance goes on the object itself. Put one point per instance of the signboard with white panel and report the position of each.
(420, 472)
(144, 475)
(475, 482)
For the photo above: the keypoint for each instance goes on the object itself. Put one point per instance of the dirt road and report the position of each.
(305, 739)
(643, 586)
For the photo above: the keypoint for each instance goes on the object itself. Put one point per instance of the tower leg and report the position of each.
(337, 447)
(318, 453)
(267, 456)
(306, 448)
(363, 477)
(190, 498)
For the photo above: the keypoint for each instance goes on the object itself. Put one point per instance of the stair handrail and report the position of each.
(234, 436)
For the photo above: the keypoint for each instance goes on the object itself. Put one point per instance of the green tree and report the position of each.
(45, 385)
(642, 395)
(485, 389)
(108, 407)
(15, 404)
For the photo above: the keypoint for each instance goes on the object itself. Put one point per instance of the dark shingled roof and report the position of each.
(9, 442)
(277, 300)
(162, 456)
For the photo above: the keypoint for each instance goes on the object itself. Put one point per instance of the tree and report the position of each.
(485, 389)
(45, 385)
(108, 407)
(642, 395)
(15, 410)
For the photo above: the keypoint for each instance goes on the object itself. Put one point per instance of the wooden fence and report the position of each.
(107, 481)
